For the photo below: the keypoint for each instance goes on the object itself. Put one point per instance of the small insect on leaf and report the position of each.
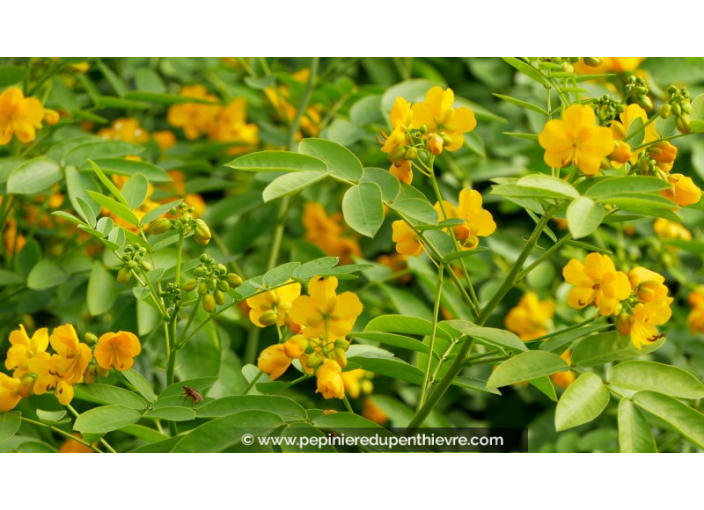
(193, 394)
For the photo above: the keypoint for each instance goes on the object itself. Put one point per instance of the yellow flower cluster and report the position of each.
(36, 371)
(127, 129)
(531, 317)
(695, 319)
(440, 126)
(478, 222)
(600, 65)
(222, 124)
(671, 230)
(21, 116)
(326, 232)
(281, 100)
(639, 299)
(325, 319)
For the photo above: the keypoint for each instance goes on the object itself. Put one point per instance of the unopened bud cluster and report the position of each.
(132, 260)
(183, 220)
(680, 106)
(637, 91)
(212, 282)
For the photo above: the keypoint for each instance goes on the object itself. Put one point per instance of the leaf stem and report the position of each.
(433, 334)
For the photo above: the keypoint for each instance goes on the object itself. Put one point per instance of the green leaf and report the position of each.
(99, 149)
(108, 183)
(605, 347)
(159, 211)
(104, 102)
(129, 168)
(172, 414)
(86, 211)
(339, 159)
(389, 366)
(526, 366)
(493, 337)
(53, 417)
(107, 394)
(665, 379)
(221, 433)
(636, 132)
(315, 267)
(102, 290)
(545, 386)
(34, 176)
(625, 185)
(634, 434)
(200, 384)
(140, 384)
(584, 216)
(455, 255)
(526, 69)
(471, 383)
(366, 111)
(115, 81)
(405, 325)
(45, 275)
(417, 209)
(105, 419)
(9, 75)
(9, 278)
(522, 104)
(9, 424)
(583, 400)
(686, 420)
(277, 161)
(549, 186)
(115, 207)
(159, 98)
(290, 183)
(135, 190)
(401, 341)
(299, 430)
(284, 407)
(390, 185)
(363, 208)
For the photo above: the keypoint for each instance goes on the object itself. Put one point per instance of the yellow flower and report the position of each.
(664, 154)
(671, 230)
(372, 412)
(402, 171)
(126, 130)
(20, 116)
(295, 346)
(438, 116)
(164, 139)
(73, 446)
(596, 281)
(648, 285)
(273, 361)
(531, 317)
(352, 381)
(329, 378)
(326, 232)
(645, 318)
(64, 392)
(402, 114)
(117, 350)
(9, 392)
(576, 139)
(323, 313)
(24, 349)
(478, 221)
(564, 379)
(73, 356)
(695, 319)
(277, 300)
(406, 239)
(619, 130)
(195, 118)
(232, 126)
(683, 191)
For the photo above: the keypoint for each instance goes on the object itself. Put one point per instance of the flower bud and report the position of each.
(212, 285)
(202, 233)
(159, 226)
(90, 375)
(233, 279)
(103, 372)
(124, 275)
(91, 339)
(592, 61)
(51, 117)
(339, 356)
(268, 318)
(411, 153)
(623, 324)
(202, 288)
(644, 102)
(296, 346)
(209, 303)
(219, 297)
(190, 285)
(665, 110)
(146, 266)
(683, 125)
(435, 144)
(621, 153)
(223, 286)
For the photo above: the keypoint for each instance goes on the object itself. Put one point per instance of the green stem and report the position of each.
(433, 334)
(252, 383)
(347, 404)
(67, 435)
(565, 330)
(546, 254)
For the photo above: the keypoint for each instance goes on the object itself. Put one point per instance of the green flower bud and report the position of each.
(202, 233)
(212, 285)
(592, 61)
(234, 280)
(146, 266)
(190, 285)
(682, 124)
(159, 226)
(268, 318)
(91, 339)
(223, 286)
(208, 303)
(124, 275)
(202, 288)
(219, 297)
(665, 110)
(644, 102)
(222, 269)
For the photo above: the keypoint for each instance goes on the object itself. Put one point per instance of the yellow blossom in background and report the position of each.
(437, 114)
(576, 139)
(683, 191)
(327, 233)
(596, 282)
(164, 139)
(126, 130)
(24, 349)
(564, 379)
(648, 285)
(19, 116)
(73, 446)
(352, 382)
(273, 361)
(695, 319)
(231, 126)
(645, 318)
(280, 99)
(609, 64)
(325, 313)
(396, 262)
(671, 230)
(372, 412)
(278, 301)
(195, 119)
(477, 220)
(74, 356)
(14, 241)
(329, 379)
(531, 317)
(9, 392)
(117, 350)
(177, 187)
